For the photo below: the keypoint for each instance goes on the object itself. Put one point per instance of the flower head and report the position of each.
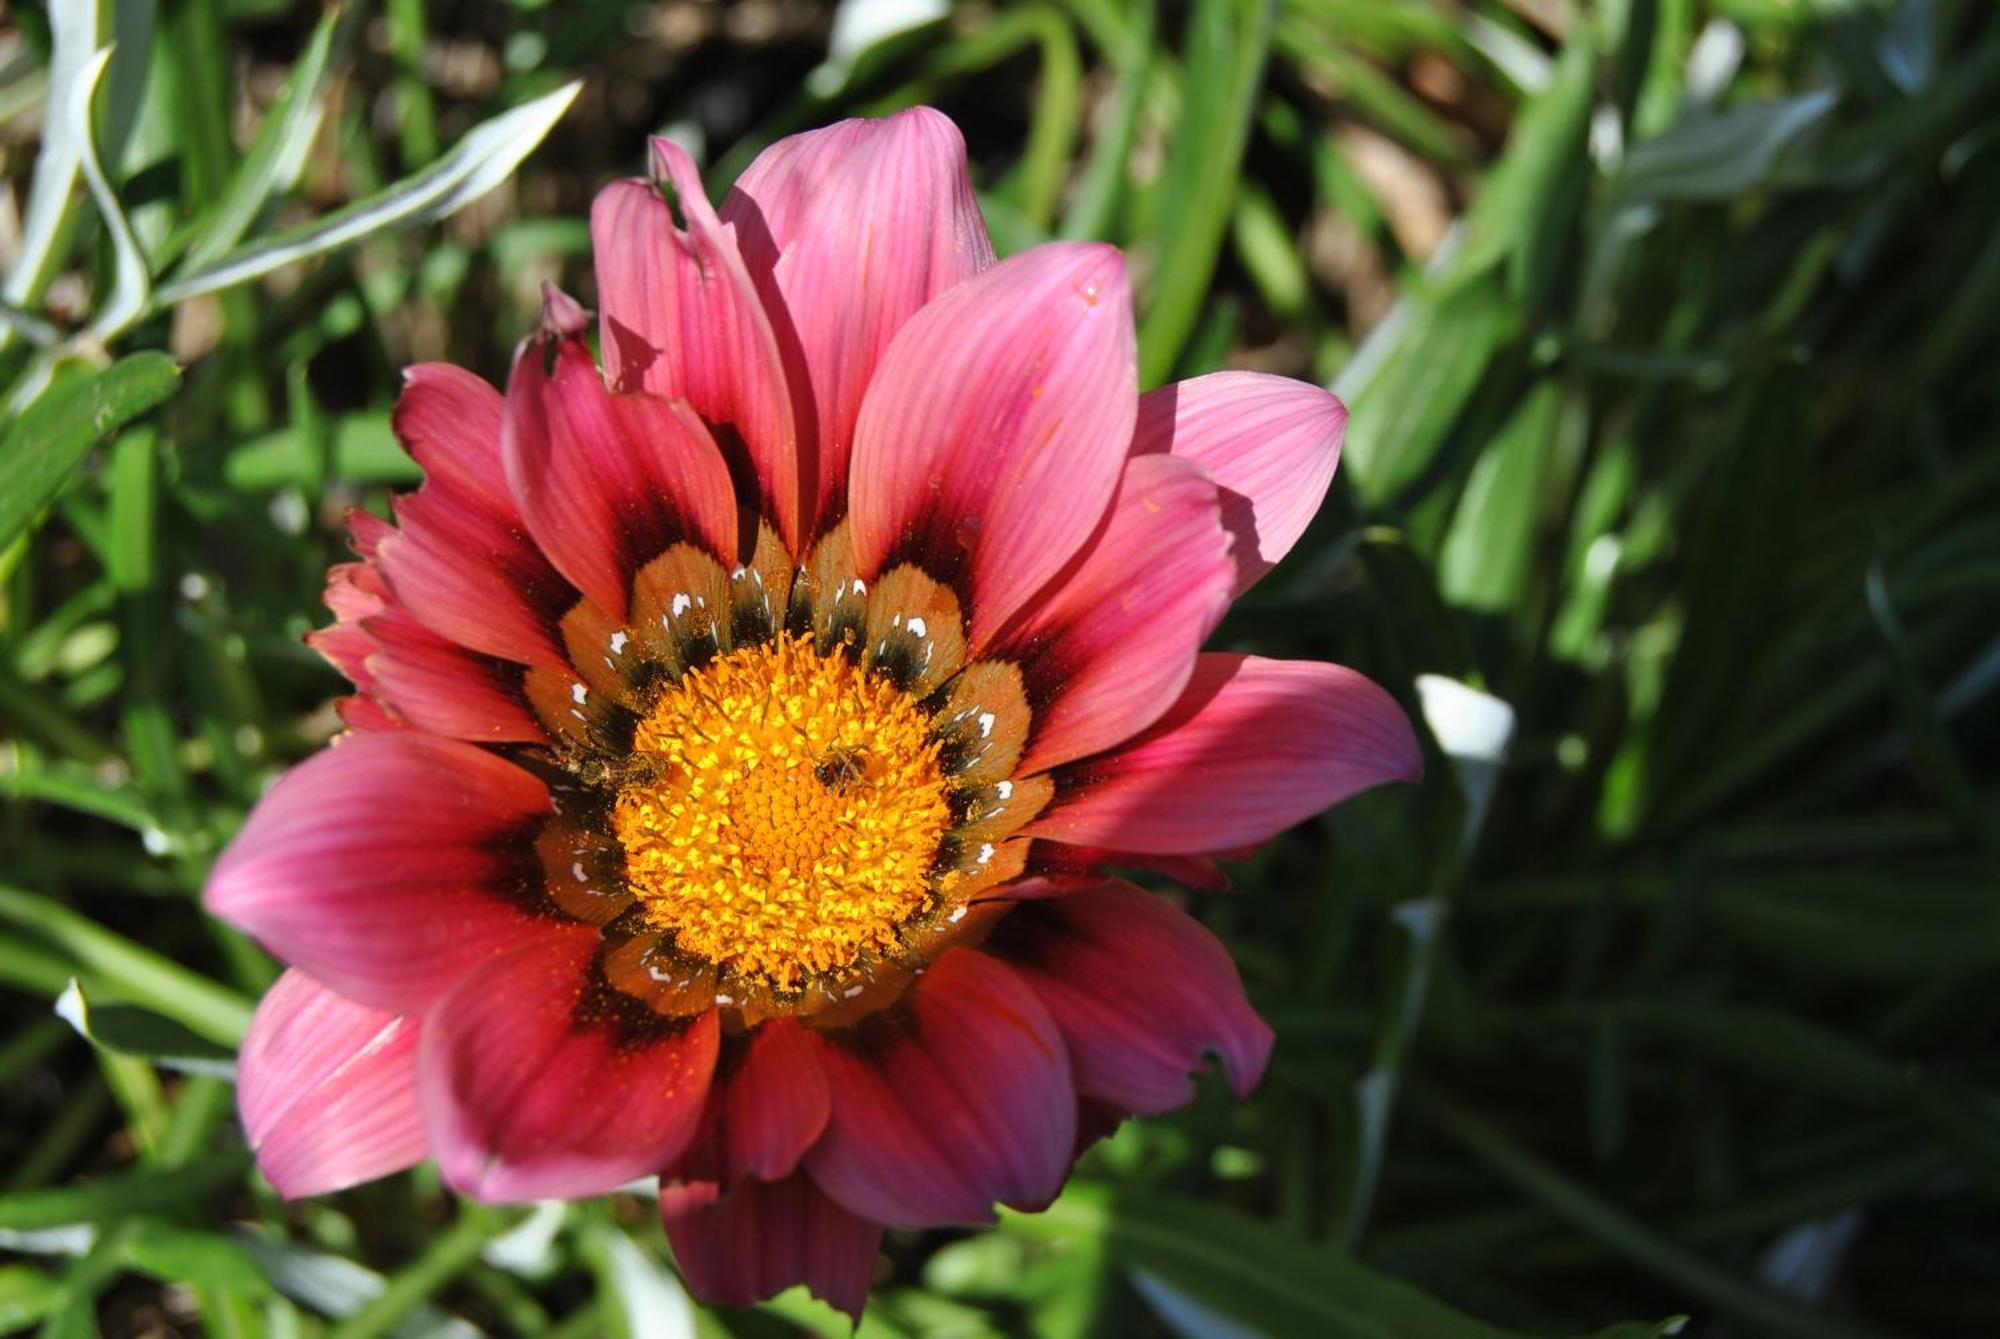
(742, 731)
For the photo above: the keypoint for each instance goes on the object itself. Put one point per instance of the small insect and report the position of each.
(841, 768)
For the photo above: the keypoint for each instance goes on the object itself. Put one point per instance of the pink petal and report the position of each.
(388, 865)
(355, 594)
(1271, 444)
(413, 676)
(764, 1237)
(449, 420)
(848, 231)
(766, 208)
(462, 561)
(966, 1101)
(438, 686)
(1141, 992)
(327, 1089)
(774, 1106)
(682, 320)
(1110, 646)
(1252, 747)
(993, 433)
(609, 482)
(534, 1087)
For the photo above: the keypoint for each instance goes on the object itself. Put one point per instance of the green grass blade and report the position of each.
(487, 155)
(44, 444)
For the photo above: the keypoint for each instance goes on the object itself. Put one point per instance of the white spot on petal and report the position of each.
(618, 640)
(577, 693)
(681, 603)
(919, 628)
(985, 724)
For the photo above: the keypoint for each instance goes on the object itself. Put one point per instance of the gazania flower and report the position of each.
(743, 732)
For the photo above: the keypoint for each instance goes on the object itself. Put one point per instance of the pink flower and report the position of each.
(741, 734)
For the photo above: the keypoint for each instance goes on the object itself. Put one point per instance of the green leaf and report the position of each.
(128, 1030)
(335, 1286)
(364, 450)
(130, 281)
(26, 1296)
(651, 1302)
(45, 443)
(487, 156)
(110, 959)
(1527, 208)
(274, 162)
(204, 1259)
(1689, 1273)
(1490, 548)
(117, 1199)
(50, 199)
(1228, 43)
(1412, 388)
(1268, 250)
(1256, 1273)
(1717, 157)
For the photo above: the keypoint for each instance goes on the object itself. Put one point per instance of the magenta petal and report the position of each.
(529, 1091)
(1111, 644)
(411, 675)
(967, 1101)
(327, 1089)
(774, 1106)
(848, 232)
(1141, 992)
(449, 420)
(765, 1237)
(439, 686)
(462, 561)
(994, 431)
(1252, 747)
(608, 482)
(1271, 444)
(682, 319)
(766, 208)
(387, 866)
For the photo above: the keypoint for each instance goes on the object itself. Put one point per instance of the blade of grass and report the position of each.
(139, 974)
(41, 448)
(73, 32)
(284, 139)
(487, 155)
(1622, 1233)
(1228, 44)
(130, 281)
(447, 1255)
(120, 1198)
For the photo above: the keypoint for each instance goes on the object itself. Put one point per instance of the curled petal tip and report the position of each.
(664, 161)
(563, 317)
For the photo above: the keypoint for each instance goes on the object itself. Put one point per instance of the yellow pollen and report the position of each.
(789, 811)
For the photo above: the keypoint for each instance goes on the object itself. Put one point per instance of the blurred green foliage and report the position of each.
(1668, 506)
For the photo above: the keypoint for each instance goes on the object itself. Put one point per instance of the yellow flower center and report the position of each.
(789, 813)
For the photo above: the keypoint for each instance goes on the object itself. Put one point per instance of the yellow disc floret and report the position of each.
(788, 815)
